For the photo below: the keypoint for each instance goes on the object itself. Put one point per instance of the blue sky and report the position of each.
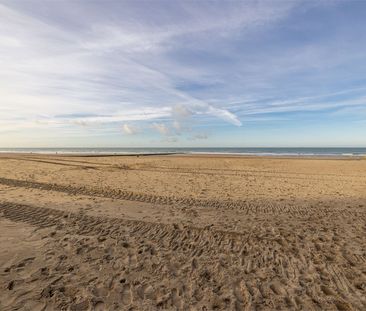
(182, 73)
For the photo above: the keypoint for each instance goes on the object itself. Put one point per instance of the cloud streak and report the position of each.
(173, 68)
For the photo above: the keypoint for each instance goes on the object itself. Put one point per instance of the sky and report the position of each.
(182, 73)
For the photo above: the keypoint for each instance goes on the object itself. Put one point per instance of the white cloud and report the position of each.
(225, 115)
(121, 63)
(130, 129)
(103, 67)
(181, 111)
(161, 128)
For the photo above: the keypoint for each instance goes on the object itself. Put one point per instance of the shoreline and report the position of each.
(190, 154)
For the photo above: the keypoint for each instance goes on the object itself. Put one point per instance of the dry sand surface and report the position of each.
(182, 233)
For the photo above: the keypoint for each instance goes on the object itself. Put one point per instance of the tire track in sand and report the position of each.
(249, 207)
(152, 266)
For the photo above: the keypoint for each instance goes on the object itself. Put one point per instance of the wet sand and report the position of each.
(182, 233)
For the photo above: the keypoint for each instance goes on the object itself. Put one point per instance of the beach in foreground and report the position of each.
(182, 233)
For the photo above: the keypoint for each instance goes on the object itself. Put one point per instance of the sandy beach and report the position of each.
(182, 233)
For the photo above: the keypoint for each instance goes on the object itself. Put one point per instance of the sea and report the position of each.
(245, 151)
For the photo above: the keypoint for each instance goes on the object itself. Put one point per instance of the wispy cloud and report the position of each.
(174, 67)
(130, 129)
(161, 128)
(50, 66)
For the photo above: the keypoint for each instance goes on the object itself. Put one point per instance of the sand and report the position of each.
(182, 233)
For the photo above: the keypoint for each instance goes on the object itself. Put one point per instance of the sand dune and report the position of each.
(182, 233)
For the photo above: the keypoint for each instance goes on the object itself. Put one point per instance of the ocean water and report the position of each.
(344, 152)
